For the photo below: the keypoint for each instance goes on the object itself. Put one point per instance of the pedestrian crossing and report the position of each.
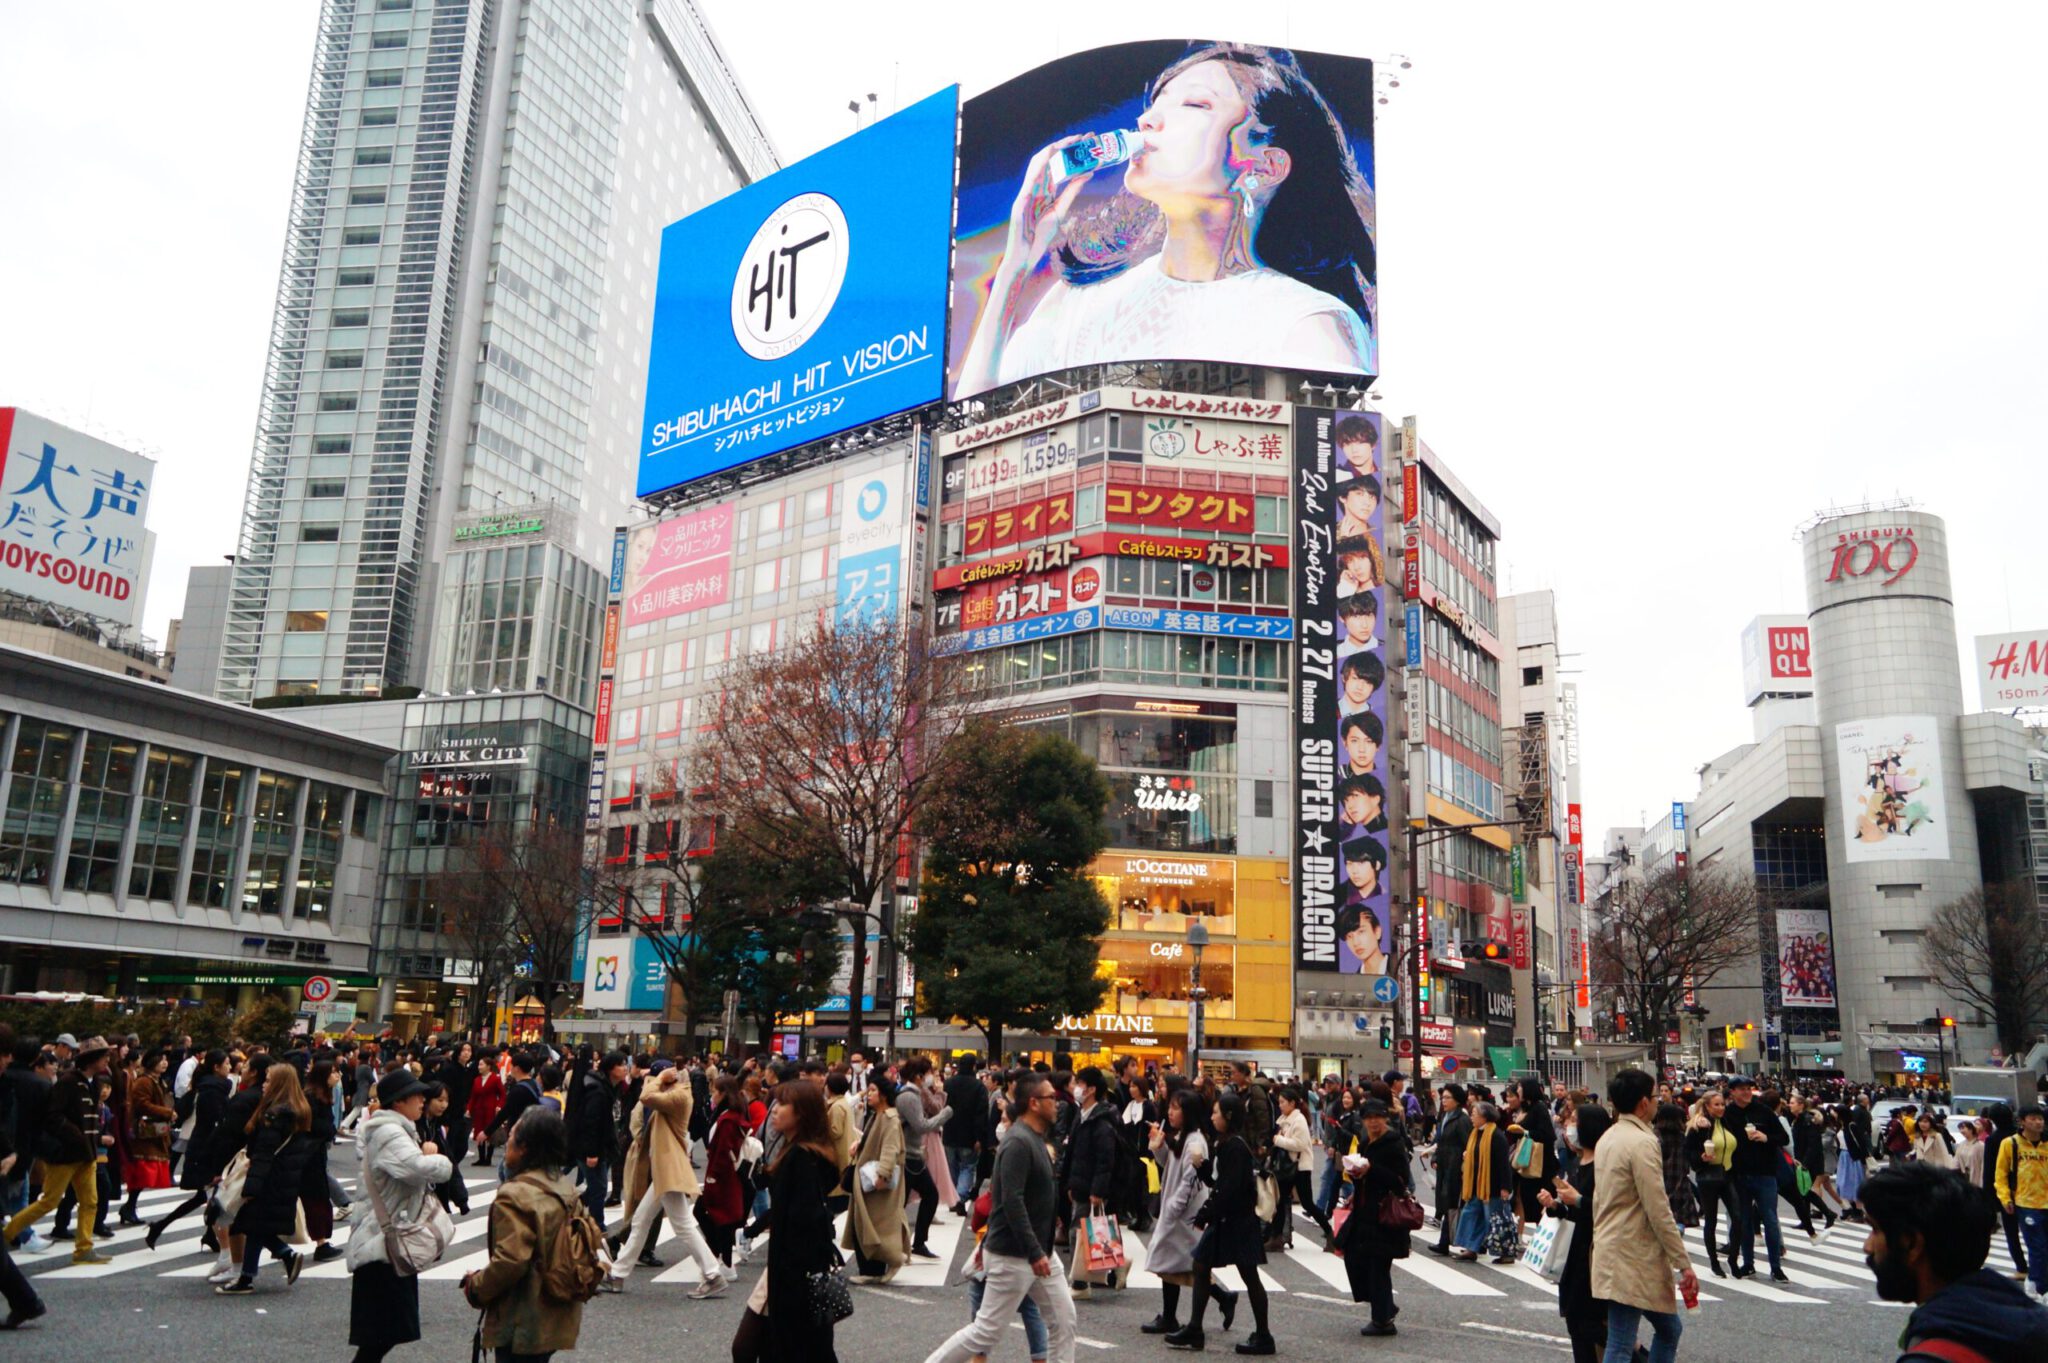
(1827, 1269)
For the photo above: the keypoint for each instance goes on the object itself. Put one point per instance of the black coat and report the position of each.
(210, 1095)
(1536, 1124)
(1575, 1299)
(1231, 1233)
(458, 1079)
(278, 1154)
(1452, 1132)
(31, 1100)
(313, 1178)
(1806, 1142)
(1088, 1161)
(592, 1130)
(969, 1100)
(1386, 1176)
(1755, 1159)
(519, 1096)
(802, 1244)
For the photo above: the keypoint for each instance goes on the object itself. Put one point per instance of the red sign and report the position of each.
(1789, 653)
(1045, 557)
(1572, 826)
(603, 732)
(1411, 493)
(1404, 1048)
(1861, 553)
(1005, 599)
(1084, 585)
(1046, 517)
(1520, 939)
(1411, 565)
(1439, 1036)
(1182, 508)
(610, 657)
(318, 988)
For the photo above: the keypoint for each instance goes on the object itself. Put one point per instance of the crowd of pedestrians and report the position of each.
(842, 1170)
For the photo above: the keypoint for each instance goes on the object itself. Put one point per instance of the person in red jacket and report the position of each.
(723, 1207)
(486, 1098)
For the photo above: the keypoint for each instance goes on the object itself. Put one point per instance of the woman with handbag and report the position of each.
(1585, 1315)
(522, 1320)
(279, 1148)
(797, 1302)
(149, 1119)
(876, 1231)
(1294, 1152)
(1181, 1147)
(211, 1090)
(1486, 1220)
(1533, 1143)
(398, 1211)
(1231, 1231)
(1383, 1212)
(316, 1193)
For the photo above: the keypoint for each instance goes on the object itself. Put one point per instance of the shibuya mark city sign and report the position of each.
(805, 304)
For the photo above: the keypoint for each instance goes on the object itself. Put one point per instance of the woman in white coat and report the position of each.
(1180, 1146)
(384, 1304)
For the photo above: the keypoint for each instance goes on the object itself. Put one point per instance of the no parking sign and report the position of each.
(319, 989)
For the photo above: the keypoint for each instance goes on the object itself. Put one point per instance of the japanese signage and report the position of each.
(608, 656)
(679, 565)
(1806, 958)
(501, 525)
(72, 511)
(809, 302)
(1021, 598)
(1305, 186)
(2012, 669)
(1343, 918)
(1517, 873)
(602, 731)
(623, 972)
(1182, 508)
(1893, 804)
(1046, 517)
(1439, 1036)
(1051, 557)
(1518, 940)
(1146, 619)
(593, 804)
(1777, 657)
(872, 531)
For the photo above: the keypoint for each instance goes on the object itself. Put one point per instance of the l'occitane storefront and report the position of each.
(1148, 964)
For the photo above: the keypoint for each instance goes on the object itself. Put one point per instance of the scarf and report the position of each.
(1479, 1163)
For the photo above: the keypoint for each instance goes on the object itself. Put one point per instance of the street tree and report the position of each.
(545, 886)
(1665, 933)
(1989, 950)
(834, 739)
(1008, 919)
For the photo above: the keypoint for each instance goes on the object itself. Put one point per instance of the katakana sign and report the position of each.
(72, 509)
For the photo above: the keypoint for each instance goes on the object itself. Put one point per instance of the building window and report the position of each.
(41, 766)
(373, 156)
(365, 195)
(319, 852)
(361, 236)
(160, 833)
(378, 118)
(394, 4)
(344, 359)
(355, 278)
(385, 77)
(332, 444)
(216, 830)
(272, 814)
(305, 622)
(1262, 799)
(1532, 676)
(327, 487)
(352, 317)
(337, 402)
(106, 780)
(389, 38)
(319, 534)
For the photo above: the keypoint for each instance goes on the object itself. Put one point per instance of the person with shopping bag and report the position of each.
(398, 1176)
(1486, 1218)
(280, 1145)
(1569, 1262)
(1375, 1235)
(1087, 1176)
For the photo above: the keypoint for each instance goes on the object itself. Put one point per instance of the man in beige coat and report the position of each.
(671, 1185)
(1636, 1245)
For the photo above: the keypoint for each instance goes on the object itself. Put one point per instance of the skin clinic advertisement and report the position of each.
(805, 304)
(1167, 201)
(1340, 704)
(1891, 789)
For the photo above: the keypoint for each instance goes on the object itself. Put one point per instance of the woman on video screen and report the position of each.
(1241, 233)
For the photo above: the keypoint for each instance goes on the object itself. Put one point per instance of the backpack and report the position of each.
(575, 1261)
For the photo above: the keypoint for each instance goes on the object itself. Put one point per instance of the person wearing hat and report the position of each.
(71, 1128)
(66, 1047)
(400, 1174)
(1759, 1136)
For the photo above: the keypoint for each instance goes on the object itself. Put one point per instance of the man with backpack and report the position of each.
(546, 1249)
(2021, 1183)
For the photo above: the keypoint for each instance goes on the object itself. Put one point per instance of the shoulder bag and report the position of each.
(829, 1297)
(411, 1246)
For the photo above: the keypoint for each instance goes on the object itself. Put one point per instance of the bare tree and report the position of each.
(475, 925)
(1665, 930)
(834, 741)
(1989, 949)
(547, 889)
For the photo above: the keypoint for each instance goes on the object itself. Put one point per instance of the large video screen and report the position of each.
(1167, 201)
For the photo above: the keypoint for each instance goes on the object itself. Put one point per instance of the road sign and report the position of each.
(1450, 1064)
(318, 989)
(1385, 988)
(1404, 1048)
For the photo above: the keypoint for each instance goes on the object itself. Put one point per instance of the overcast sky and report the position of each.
(1658, 282)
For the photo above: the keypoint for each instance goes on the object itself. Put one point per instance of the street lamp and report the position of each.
(1198, 937)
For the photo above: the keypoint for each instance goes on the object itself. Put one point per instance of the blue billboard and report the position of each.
(806, 304)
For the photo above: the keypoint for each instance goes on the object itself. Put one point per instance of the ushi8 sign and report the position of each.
(1343, 915)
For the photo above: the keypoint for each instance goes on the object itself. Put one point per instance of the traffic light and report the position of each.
(1749, 1026)
(1493, 950)
(909, 1019)
(1948, 1022)
(1386, 1034)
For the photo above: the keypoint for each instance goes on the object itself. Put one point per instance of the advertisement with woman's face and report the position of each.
(1167, 201)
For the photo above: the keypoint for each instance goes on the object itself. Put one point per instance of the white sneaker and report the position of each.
(224, 1271)
(36, 1244)
(713, 1286)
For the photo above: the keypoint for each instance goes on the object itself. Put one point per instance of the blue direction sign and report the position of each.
(1385, 988)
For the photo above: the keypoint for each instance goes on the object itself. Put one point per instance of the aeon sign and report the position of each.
(1888, 554)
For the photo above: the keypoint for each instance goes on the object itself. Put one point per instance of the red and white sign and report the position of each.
(1439, 1036)
(602, 732)
(1041, 519)
(1411, 492)
(1519, 939)
(318, 988)
(679, 565)
(2012, 669)
(1084, 585)
(1404, 1048)
(1574, 826)
(1777, 657)
(1125, 544)
(1887, 554)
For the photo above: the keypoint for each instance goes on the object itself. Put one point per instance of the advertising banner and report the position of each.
(872, 533)
(1062, 239)
(2012, 669)
(72, 509)
(1343, 919)
(619, 972)
(1806, 958)
(1777, 657)
(1047, 558)
(1182, 508)
(1519, 942)
(1146, 619)
(678, 565)
(1893, 806)
(807, 303)
(1009, 525)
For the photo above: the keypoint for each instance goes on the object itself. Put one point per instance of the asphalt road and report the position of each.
(158, 1305)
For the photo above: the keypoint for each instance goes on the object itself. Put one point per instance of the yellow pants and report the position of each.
(56, 1178)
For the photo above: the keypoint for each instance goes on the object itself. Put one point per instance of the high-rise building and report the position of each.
(460, 335)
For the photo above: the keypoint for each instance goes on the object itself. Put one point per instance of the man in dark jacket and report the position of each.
(27, 1099)
(1258, 1108)
(71, 1141)
(1929, 1233)
(1759, 1137)
(1088, 1162)
(967, 1127)
(23, 1305)
(521, 1093)
(594, 1132)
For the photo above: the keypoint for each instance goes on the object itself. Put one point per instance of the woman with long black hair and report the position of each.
(1180, 1146)
(1294, 1156)
(1244, 222)
(210, 1093)
(1585, 1315)
(779, 1323)
(1231, 1233)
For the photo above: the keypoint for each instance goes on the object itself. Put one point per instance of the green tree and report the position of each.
(1007, 925)
(266, 1023)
